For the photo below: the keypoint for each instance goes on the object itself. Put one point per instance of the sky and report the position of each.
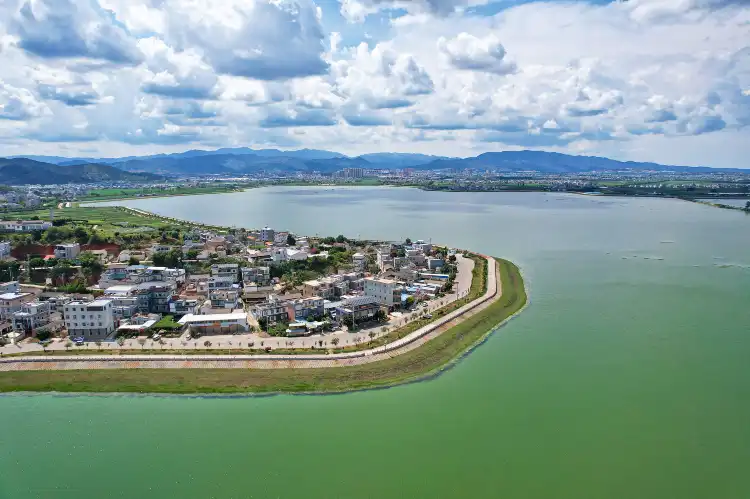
(645, 80)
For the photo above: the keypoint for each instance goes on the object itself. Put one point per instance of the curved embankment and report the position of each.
(419, 357)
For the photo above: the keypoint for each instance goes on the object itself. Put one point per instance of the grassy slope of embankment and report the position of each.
(424, 361)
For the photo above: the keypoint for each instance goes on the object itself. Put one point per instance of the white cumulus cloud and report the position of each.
(469, 52)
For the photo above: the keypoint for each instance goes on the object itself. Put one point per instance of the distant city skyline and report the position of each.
(644, 80)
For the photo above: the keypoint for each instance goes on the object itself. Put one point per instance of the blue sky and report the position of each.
(651, 80)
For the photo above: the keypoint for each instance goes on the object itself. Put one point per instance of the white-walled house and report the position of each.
(384, 290)
(32, 315)
(67, 251)
(4, 250)
(93, 320)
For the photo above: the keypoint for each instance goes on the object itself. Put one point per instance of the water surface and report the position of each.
(741, 203)
(627, 376)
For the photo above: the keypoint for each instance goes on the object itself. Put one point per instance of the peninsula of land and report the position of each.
(236, 310)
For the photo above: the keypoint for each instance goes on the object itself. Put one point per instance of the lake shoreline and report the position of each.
(421, 363)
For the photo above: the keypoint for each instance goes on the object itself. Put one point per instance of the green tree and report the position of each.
(42, 335)
(335, 341)
(747, 206)
(62, 269)
(134, 261)
(36, 263)
(171, 258)
(81, 235)
(90, 264)
(290, 240)
(95, 238)
(409, 302)
(407, 241)
(340, 238)
(191, 254)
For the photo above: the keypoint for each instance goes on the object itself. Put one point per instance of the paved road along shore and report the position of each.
(268, 361)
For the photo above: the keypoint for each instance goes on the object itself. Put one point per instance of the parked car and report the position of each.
(78, 340)
(156, 337)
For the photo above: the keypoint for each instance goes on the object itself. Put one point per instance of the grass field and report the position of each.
(418, 363)
(176, 190)
(109, 219)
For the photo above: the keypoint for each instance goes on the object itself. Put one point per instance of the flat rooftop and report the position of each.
(191, 318)
(99, 303)
(120, 289)
(13, 296)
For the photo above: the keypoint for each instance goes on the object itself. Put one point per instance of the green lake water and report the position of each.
(627, 377)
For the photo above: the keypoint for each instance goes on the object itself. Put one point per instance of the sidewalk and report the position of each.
(263, 361)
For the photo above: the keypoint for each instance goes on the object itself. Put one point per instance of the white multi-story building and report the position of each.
(4, 250)
(57, 303)
(384, 258)
(11, 303)
(24, 226)
(280, 237)
(226, 270)
(267, 233)
(9, 287)
(32, 315)
(225, 298)
(67, 251)
(383, 290)
(422, 246)
(280, 255)
(305, 308)
(256, 275)
(92, 320)
(184, 306)
(137, 274)
(215, 283)
(272, 310)
(359, 260)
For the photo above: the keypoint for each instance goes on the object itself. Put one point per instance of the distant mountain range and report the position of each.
(242, 161)
(554, 162)
(23, 171)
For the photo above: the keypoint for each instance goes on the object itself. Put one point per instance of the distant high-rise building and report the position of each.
(348, 173)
